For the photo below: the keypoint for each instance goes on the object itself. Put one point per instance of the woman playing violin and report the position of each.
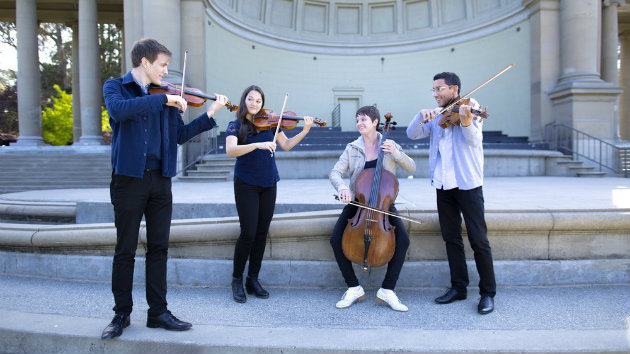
(359, 155)
(255, 177)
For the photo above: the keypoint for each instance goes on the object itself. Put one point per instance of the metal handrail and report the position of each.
(571, 141)
(208, 142)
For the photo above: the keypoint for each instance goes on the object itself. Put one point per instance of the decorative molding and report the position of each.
(365, 27)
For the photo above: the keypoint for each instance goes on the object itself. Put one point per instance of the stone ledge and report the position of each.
(304, 236)
(299, 273)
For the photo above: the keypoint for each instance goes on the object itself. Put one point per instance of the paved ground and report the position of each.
(526, 319)
(501, 193)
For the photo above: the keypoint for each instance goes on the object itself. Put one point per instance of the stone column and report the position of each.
(76, 88)
(624, 75)
(545, 62)
(133, 28)
(579, 42)
(162, 21)
(89, 74)
(610, 43)
(28, 79)
(581, 99)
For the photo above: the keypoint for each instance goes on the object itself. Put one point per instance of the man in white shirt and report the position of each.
(456, 163)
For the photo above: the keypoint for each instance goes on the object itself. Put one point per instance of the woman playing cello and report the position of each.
(255, 177)
(359, 155)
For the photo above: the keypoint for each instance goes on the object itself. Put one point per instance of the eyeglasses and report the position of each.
(440, 88)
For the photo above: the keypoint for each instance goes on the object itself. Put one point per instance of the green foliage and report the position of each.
(106, 128)
(110, 48)
(105, 120)
(57, 120)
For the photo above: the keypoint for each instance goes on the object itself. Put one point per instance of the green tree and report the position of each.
(57, 119)
(110, 48)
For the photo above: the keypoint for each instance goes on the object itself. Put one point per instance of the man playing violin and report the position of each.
(145, 132)
(456, 163)
(360, 154)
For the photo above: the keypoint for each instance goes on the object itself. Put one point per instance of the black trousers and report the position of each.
(255, 206)
(133, 197)
(470, 203)
(395, 264)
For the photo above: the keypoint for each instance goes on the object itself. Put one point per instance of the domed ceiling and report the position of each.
(370, 27)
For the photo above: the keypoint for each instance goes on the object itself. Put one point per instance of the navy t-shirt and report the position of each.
(257, 167)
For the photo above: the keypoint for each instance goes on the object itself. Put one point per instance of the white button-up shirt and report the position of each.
(444, 176)
(464, 156)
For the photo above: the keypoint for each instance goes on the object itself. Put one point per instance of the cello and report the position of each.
(369, 239)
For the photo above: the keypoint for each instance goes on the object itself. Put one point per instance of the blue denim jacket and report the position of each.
(467, 149)
(129, 110)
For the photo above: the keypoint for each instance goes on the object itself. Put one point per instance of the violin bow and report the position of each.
(280, 119)
(361, 205)
(476, 88)
(184, 72)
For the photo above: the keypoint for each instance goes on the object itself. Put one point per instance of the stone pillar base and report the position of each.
(588, 106)
(25, 140)
(91, 140)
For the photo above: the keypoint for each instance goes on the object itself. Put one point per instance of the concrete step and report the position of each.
(212, 168)
(591, 174)
(203, 178)
(210, 173)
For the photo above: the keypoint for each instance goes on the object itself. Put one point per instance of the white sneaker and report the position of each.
(351, 296)
(389, 297)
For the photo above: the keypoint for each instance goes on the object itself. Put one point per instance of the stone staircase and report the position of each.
(565, 165)
(216, 167)
(211, 168)
(332, 138)
(53, 168)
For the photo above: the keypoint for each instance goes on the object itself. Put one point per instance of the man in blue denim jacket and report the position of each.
(456, 163)
(145, 132)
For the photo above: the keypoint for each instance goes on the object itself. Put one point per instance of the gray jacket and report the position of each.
(352, 160)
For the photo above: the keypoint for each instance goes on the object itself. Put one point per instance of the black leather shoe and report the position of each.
(237, 290)
(253, 286)
(486, 305)
(451, 295)
(167, 321)
(115, 328)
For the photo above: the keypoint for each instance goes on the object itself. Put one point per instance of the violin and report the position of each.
(266, 119)
(194, 97)
(369, 238)
(450, 115)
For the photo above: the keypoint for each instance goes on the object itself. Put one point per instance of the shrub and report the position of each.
(57, 120)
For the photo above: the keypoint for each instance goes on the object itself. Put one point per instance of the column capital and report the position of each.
(613, 2)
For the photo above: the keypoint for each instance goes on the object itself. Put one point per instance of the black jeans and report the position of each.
(255, 206)
(471, 204)
(133, 197)
(395, 264)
